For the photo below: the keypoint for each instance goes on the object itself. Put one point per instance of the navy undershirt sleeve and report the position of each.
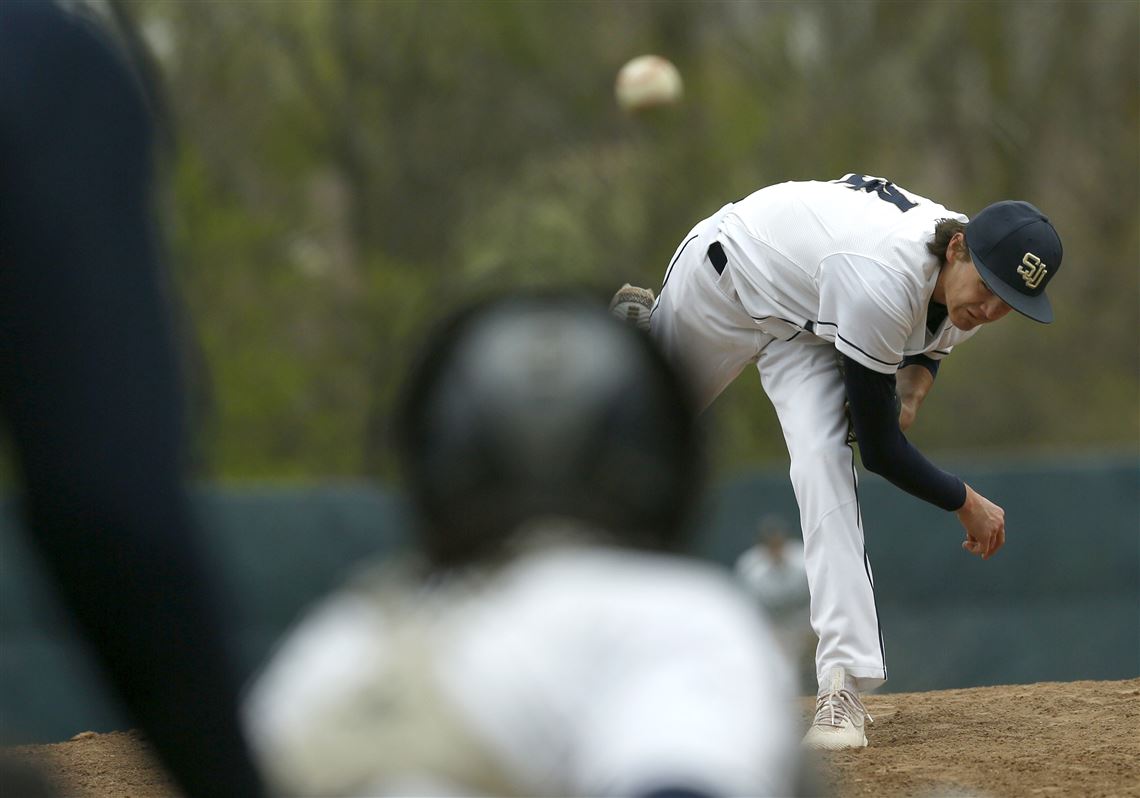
(883, 447)
(928, 363)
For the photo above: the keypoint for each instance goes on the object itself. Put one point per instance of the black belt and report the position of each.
(717, 256)
(719, 260)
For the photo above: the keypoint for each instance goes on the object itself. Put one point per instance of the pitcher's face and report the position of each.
(969, 301)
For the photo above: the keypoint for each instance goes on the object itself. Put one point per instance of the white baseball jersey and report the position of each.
(845, 259)
(574, 670)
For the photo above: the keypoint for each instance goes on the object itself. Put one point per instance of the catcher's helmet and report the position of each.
(532, 406)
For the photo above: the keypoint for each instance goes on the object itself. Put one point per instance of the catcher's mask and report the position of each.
(532, 406)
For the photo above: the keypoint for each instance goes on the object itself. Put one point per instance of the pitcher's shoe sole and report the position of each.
(829, 738)
(632, 304)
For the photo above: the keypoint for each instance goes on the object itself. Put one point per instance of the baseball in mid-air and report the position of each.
(648, 81)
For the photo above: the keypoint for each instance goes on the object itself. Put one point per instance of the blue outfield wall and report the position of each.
(1060, 602)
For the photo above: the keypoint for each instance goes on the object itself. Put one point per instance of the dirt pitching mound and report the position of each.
(1049, 739)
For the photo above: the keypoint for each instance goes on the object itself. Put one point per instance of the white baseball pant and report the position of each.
(700, 323)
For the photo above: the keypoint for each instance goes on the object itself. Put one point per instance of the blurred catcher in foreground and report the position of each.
(549, 640)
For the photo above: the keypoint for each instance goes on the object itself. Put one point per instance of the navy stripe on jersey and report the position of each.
(799, 332)
(855, 345)
(676, 258)
(669, 271)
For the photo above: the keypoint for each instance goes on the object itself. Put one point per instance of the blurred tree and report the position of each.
(349, 170)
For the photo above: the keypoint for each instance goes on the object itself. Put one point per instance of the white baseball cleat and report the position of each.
(633, 304)
(840, 718)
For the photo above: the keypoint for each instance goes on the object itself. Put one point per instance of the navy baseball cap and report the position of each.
(1017, 252)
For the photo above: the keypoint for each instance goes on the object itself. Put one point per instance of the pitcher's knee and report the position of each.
(826, 461)
(824, 479)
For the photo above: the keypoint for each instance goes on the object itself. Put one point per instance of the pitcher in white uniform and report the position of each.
(545, 642)
(846, 295)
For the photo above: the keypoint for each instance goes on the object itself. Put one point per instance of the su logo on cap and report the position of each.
(1032, 270)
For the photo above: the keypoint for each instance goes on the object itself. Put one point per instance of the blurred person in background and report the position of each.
(90, 391)
(772, 571)
(847, 295)
(548, 639)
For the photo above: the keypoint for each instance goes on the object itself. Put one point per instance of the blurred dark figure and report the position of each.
(549, 639)
(91, 395)
(18, 779)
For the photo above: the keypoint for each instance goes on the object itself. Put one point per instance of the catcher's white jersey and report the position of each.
(571, 671)
(846, 260)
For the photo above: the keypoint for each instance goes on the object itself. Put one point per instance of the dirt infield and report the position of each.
(1049, 739)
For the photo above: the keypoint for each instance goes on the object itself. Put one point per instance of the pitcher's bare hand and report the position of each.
(984, 522)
